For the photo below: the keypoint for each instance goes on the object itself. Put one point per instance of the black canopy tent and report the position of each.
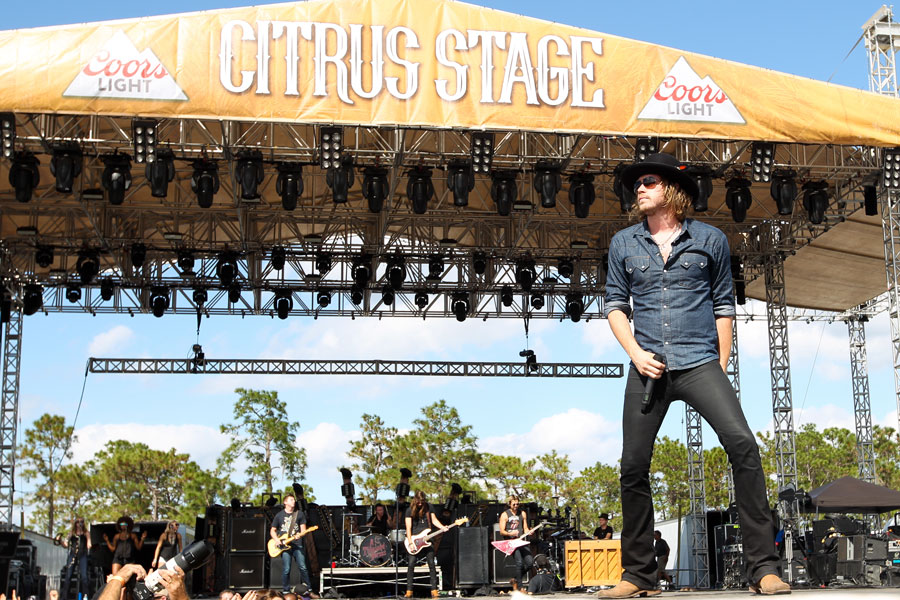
(851, 495)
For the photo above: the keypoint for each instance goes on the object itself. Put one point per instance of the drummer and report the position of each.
(381, 522)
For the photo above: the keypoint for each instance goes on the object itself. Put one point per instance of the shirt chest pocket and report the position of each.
(638, 269)
(693, 270)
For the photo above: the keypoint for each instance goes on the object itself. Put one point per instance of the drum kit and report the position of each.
(363, 548)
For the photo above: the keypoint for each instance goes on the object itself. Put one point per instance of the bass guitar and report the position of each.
(507, 547)
(415, 544)
(277, 547)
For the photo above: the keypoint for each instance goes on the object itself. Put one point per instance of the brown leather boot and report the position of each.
(770, 585)
(435, 594)
(408, 594)
(626, 589)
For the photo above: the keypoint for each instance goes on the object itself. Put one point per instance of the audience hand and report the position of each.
(173, 581)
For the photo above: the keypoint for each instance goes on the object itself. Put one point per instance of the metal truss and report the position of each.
(733, 371)
(862, 409)
(697, 489)
(881, 35)
(418, 368)
(9, 414)
(890, 219)
(879, 304)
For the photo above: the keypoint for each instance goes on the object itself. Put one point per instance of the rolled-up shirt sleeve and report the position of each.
(617, 286)
(722, 283)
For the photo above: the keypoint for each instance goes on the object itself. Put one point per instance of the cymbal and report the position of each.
(352, 514)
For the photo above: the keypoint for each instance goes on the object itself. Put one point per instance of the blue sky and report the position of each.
(581, 418)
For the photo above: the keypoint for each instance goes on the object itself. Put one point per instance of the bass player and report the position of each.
(419, 517)
(290, 522)
(512, 524)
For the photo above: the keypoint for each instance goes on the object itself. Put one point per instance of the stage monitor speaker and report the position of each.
(9, 540)
(504, 567)
(472, 557)
(247, 571)
(248, 534)
(861, 547)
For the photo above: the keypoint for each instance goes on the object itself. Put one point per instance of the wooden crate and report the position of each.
(593, 562)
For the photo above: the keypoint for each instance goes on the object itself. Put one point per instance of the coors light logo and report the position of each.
(118, 70)
(683, 96)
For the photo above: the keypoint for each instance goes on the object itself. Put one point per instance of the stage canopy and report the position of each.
(852, 495)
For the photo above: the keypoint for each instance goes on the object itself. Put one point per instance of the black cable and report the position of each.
(77, 412)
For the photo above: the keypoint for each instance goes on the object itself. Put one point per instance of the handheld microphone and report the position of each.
(189, 559)
(647, 400)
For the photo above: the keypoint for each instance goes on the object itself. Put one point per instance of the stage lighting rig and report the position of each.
(526, 273)
(138, 254)
(340, 179)
(7, 134)
(205, 181)
(419, 189)
(73, 293)
(703, 177)
(65, 165)
(530, 360)
(284, 303)
(506, 296)
(581, 193)
(186, 262)
(396, 270)
(870, 200)
(227, 267)
(361, 270)
(565, 267)
(323, 263)
(356, 295)
(421, 299)
(504, 190)
(890, 168)
(277, 258)
(482, 151)
(625, 195)
(737, 274)
(763, 161)
(783, 190)
(460, 305)
(331, 147)
(87, 265)
(738, 198)
(816, 200)
(644, 147)
(200, 296)
(250, 173)
(289, 184)
(107, 288)
(116, 177)
(479, 262)
(323, 298)
(32, 298)
(574, 306)
(24, 175)
(537, 301)
(159, 300)
(460, 181)
(143, 134)
(375, 187)
(435, 267)
(234, 293)
(547, 181)
(43, 256)
(387, 295)
(160, 173)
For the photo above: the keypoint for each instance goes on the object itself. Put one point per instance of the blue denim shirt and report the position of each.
(674, 305)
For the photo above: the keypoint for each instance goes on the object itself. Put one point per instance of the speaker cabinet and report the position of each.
(504, 567)
(248, 534)
(472, 557)
(247, 571)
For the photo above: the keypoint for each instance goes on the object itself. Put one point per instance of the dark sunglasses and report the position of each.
(648, 182)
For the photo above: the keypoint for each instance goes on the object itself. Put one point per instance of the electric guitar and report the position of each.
(277, 547)
(415, 544)
(507, 547)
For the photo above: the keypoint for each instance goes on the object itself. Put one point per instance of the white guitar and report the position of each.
(507, 547)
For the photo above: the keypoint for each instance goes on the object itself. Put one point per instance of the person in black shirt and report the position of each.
(419, 517)
(381, 522)
(79, 544)
(513, 524)
(604, 531)
(291, 521)
(661, 551)
(545, 580)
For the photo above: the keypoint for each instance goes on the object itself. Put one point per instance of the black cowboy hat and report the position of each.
(664, 165)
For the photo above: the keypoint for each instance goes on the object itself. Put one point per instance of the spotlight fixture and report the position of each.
(65, 165)
(387, 295)
(159, 300)
(703, 177)
(32, 298)
(323, 262)
(145, 140)
(138, 254)
(340, 179)
(160, 173)
(419, 189)
(200, 296)
(323, 298)
(537, 301)
(87, 265)
(205, 181)
(547, 182)
(43, 256)
(644, 147)
(574, 306)
(107, 287)
(890, 168)
(737, 274)
(870, 200)
(506, 296)
(24, 175)
(816, 200)
(234, 292)
(504, 190)
(375, 187)
(186, 262)
(565, 267)
(396, 270)
(421, 299)
(227, 267)
(460, 181)
(356, 295)
(738, 198)
(435, 266)
(762, 161)
(526, 273)
(284, 303)
(361, 270)
(116, 177)
(331, 147)
(625, 194)
(479, 262)
(73, 293)
(250, 173)
(460, 305)
(581, 193)
(289, 184)
(278, 257)
(783, 190)
(7, 134)
(482, 151)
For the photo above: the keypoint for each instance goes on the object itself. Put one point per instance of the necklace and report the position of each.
(668, 240)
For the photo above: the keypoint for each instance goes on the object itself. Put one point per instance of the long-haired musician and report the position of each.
(513, 523)
(419, 517)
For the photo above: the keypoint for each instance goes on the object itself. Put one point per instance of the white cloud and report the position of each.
(203, 443)
(326, 451)
(110, 342)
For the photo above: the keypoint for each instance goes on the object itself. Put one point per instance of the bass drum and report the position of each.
(375, 550)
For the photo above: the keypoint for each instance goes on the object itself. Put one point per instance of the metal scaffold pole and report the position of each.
(9, 414)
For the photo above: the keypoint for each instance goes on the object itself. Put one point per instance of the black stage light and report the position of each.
(200, 297)
(565, 267)
(537, 301)
(323, 262)
(504, 190)
(5, 309)
(331, 147)
(526, 273)
(460, 305)
(160, 173)
(396, 271)
(356, 295)
(116, 178)
(227, 267)
(361, 271)
(890, 168)
(107, 287)
(703, 177)
(419, 189)
(278, 257)
(323, 298)
(250, 173)
(435, 266)
(73, 293)
(234, 293)
(271, 501)
(460, 181)
(43, 256)
(144, 136)
(159, 300)
(625, 195)
(816, 200)
(763, 161)
(375, 187)
(289, 184)
(421, 299)
(783, 190)
(547, 181)
(284, 303)
(506, 296)
(205, 181)
(482, 151)
(644, 147)
(138, 255)
(581, 193)
(186, 261)
(32, 298)
(738, 198)
(479, 262)
(66, 166)
(574, 306)
(870, 200)
(387, 295)
(737, 274)
(87, 265)
(24, 175)
(7, 134)
(340, 179)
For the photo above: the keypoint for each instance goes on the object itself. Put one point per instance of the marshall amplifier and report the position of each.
(248, 534)
(247, 571)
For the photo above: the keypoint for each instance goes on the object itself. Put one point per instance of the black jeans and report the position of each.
(705, 388)
(432, 571)
(524, 561)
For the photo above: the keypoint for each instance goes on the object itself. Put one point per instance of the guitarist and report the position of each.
(513, 523)
(291, 521)
(419, 517)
